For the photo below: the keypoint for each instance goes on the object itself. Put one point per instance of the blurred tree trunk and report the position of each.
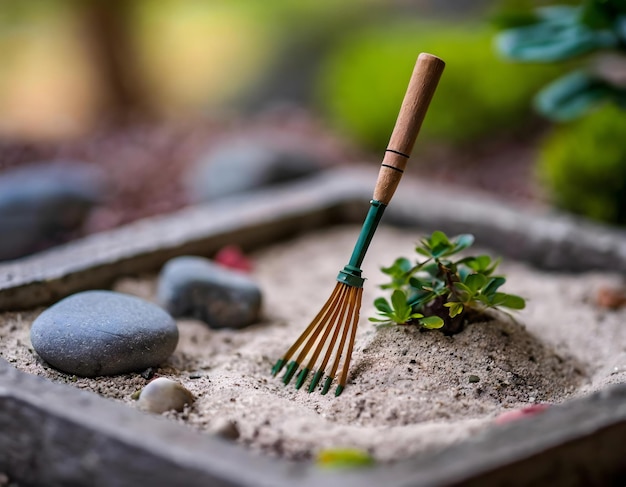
(109, 30)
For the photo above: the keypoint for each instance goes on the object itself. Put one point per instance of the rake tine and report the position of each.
(314, 336)
(333, 370)
(335, 321)
(319, 324)
(282, 361)
(331, 346)
(353, 325)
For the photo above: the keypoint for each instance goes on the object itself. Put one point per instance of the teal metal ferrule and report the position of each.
(351, 273)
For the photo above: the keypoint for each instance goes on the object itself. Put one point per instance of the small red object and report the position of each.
(521, 413)
(611, 297)
(232, 257)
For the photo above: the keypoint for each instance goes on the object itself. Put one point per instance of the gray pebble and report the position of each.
(163, 395)
(96, 333)
(239, 165)
(42, 203)
(196, 287)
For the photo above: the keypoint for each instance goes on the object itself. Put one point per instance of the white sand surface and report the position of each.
(408, 390)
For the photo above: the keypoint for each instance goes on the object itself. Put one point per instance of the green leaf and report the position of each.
(479, 264)
(420, 299)
(440, 251)
(382, 305)
(464, 272)
(344, 458)
(555, 38)
(475, 282)
(494, 264)
(399, 303)
(432, 322)
(417, 283)
(378, 320)
(571, 96)
(438, 238)
(423, 251)
(454, 308)
(437, 245)
(463, 241)
(493, 285)
(561, 14)
(513, 302)
(399, 267)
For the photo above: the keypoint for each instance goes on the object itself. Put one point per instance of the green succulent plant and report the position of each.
(439, 291)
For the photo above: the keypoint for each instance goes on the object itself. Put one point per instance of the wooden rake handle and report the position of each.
(420, 91)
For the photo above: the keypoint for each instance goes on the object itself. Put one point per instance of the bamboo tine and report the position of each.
(331, 346)
(329, 307)
(294, 348)
(354, 324)
(325, 325)
(337, 318)
(342, 342)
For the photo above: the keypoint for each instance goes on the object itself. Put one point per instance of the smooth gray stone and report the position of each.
(41, 203)
(239, 165)
(196, 287)
(103, 333)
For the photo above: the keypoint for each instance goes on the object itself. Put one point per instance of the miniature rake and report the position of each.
(336, 323)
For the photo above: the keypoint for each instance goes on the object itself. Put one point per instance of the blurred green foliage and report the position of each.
(363, 81)
(584, 164)
(560, 33)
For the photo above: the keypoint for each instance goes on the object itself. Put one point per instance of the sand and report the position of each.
(408, 391)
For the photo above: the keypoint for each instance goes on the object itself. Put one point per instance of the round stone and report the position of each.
(43, 204)
(241, 165)
(96, 333)
(163, 395)
(196, 287)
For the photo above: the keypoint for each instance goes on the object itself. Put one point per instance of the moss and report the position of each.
(362, 83)
(583, 165)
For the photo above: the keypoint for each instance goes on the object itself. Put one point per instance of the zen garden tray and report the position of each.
(55, 434)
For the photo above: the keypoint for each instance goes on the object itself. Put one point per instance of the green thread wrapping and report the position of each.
(351, 273)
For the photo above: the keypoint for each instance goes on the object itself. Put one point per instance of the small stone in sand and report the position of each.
(224, 428)
(195, 287)
(97, 333)
(240, 165)
(163, 395)
(611, 297)
(41, 204)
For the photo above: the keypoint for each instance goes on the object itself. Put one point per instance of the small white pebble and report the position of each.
(162, 395)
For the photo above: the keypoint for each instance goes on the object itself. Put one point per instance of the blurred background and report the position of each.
(113, 110)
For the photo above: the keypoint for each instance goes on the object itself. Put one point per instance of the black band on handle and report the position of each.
(397, 152)
(392, 167)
